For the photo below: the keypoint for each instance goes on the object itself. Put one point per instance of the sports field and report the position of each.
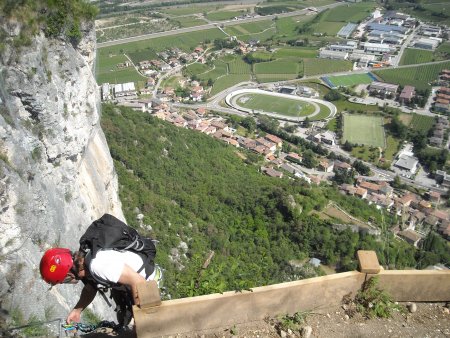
(350, 80)
(277, 105)
(362, 129)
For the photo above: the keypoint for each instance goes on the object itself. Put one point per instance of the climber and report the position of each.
(118, 269)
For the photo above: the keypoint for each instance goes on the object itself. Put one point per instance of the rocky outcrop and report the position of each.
(56, 172)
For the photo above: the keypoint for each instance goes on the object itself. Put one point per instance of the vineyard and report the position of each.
(324, 66)
(419, 77)
(422, 123)
(413, 56)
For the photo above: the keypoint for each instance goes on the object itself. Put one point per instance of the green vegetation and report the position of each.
(350, 80)
(324, 66)
(421, 123)
(223, 15)
(413, 56)
(277, 105)
(297, 52)
(193, 188)
(56, 18)
(350, 13)
(362, 129)
(228, 81)
(417, 76)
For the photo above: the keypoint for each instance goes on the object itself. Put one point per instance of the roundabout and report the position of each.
(281, 106)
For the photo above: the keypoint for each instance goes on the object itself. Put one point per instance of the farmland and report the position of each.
(417, 76)
(228, 81)
(421, 123)
(324, 66)
(362, 129)
(414, 56)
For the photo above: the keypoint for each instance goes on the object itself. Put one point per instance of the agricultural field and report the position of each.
(262, 78)
(363, 129)
(324, 66)
(188, 10)
(277, 105)
(419, 76)
(329, 28)
(350, 80)
(354, 13)
(421, 123)
(108, 72)
(188, 21)
(277, 67)
(239, 66)
(228, 81)
(296, 52)
(223, 15)
(413, 56)
(197, 69)
(184, 41)
(141, 55)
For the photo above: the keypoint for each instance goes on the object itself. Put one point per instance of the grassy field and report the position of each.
(325, 66)
(223, 15)
(297, 52)
(413, 56)
(261, 78)
(350, 80)
(239, 66)
(323, 114)
(330, 28)
(392, 147)
(107, 71)
(419, 77)
(350, 13)
(363, 129)
(227, 81)
(277, 67)
(189, 21)
(278, 105)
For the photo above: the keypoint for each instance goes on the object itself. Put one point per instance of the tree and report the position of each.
(309, 159)
(249, 123)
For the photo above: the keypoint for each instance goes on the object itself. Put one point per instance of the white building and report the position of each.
(106, 92)
(377, 48)
(426, 43)
(408, 163)
(124, 89)
(330, 54)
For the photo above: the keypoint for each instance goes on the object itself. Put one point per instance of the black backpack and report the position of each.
(108, 232)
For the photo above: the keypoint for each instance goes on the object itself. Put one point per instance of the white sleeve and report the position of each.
(108, 265)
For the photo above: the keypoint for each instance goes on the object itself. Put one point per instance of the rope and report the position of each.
(85, 328)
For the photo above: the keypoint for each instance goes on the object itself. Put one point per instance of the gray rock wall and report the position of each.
(56, 172)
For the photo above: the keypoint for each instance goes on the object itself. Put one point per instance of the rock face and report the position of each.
(56, 172)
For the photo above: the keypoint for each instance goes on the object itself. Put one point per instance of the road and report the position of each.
(212, 25)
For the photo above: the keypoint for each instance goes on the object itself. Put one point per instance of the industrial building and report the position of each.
(386, 28)
(347, 31)
(377, 48)
(330, 54)
(382, 88)
(426, 43)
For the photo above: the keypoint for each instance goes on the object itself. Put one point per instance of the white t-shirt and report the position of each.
(109, 264)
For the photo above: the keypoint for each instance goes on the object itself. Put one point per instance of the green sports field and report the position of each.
(362, 129)
(350, 80)
(277, 105)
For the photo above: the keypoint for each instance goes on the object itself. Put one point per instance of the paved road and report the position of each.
(211, 25)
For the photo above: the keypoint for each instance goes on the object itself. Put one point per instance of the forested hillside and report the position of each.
(199, 194)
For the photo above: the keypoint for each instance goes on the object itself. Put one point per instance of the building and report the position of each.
(407, 94)
(426, 43)
(407, 163)
(334, 55)
(377, 48)
(347, 31)
(106, 92)
(382, 88)
(386, 28)
(124, 89)
(342, 48)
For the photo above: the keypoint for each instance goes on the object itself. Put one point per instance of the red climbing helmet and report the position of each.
(55, 265)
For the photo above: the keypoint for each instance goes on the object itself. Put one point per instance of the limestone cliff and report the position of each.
(56, 172)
